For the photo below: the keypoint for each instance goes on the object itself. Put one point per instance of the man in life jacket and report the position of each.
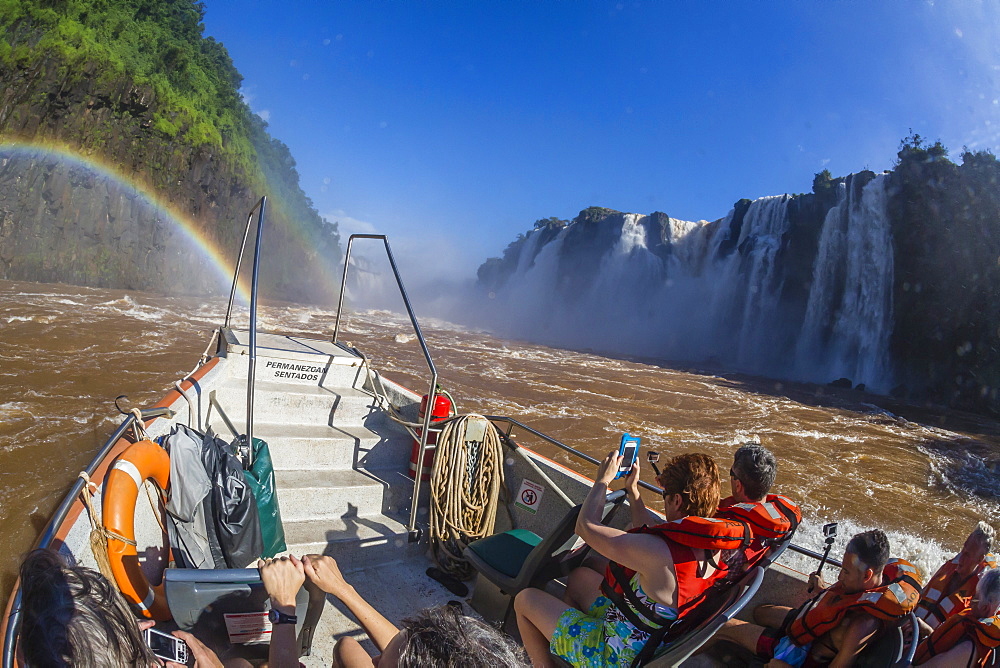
(658, 571)
(833, 627)
(949, 591)
(772, 518)
(970, 637)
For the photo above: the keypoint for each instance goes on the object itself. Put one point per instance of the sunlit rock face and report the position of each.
(791, 286)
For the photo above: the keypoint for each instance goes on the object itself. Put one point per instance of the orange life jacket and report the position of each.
(824, 613)
(680, 536)
(770, 521)
(774, 517)
(935, 606)
(984, 634)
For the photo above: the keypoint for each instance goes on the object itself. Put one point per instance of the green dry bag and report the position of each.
(260, 478)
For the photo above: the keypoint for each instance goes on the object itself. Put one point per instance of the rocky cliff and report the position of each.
(117, 130)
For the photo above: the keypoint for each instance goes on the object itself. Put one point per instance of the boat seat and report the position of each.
(705, 620)
(514, 560)
(218, 604)
(891, 648)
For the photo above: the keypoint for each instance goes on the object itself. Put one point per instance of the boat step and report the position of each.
(302, 447)
(355, 542)
(329, 493)
(275, 402)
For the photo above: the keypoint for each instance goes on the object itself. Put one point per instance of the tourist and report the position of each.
(836, 625)
(772, 518)
(432, 638)
(969, 637)
(72, 616)
(655, 575)
(950, 590)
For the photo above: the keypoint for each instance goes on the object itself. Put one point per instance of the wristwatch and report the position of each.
(276, 616)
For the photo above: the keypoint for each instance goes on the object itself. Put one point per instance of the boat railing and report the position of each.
(511, 423)
(431, 392)
(57, 519)
(255, 272)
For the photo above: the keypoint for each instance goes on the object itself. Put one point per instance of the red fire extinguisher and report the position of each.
(444, 408)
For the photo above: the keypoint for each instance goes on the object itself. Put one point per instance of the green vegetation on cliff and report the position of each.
(135, 83)
(154, 43)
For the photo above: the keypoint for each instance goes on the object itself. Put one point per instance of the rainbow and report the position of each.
(211, 253)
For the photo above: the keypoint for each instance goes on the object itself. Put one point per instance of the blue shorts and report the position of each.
(791, 653)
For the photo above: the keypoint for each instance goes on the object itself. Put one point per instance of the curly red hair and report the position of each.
(695, 476)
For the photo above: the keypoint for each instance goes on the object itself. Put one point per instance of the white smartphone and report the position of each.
(166, 646)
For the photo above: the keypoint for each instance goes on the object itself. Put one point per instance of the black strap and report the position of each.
(627, 601)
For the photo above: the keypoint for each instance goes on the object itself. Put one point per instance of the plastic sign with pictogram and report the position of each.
(529, 496)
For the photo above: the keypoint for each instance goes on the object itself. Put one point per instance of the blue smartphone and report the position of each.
(628, 450)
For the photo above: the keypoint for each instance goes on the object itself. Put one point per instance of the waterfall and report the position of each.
(849, 315)
(721, 291)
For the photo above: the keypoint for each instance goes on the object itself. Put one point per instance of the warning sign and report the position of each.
(248, 627)
(529, 496)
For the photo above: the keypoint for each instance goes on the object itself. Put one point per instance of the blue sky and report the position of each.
(453, 126)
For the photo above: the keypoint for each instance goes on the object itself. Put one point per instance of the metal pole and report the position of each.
(239, 261)
(253, 327)
(343, 287)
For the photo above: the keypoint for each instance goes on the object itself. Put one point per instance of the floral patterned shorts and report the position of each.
(598, 638)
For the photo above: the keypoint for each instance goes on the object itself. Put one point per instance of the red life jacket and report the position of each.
(770, 521)
(680, 536)
(822, 614)
(984, 634)
(935, 606)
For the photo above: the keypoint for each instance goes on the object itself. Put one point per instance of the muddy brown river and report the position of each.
(925, 475)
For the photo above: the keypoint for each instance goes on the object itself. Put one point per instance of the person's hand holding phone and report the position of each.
(608, 470)
(632, 481)
(203, 656)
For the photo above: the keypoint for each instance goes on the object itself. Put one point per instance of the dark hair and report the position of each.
(695, 476)
(72, 616)
(442, 637)
(755, 467)
(871, 548)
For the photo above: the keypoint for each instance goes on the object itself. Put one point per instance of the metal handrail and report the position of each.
(511, 423)
(815, 555)
(431, 393)
(259, 210)
(14, 620)
(559, 444)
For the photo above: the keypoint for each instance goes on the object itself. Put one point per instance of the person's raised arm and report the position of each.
(640, 513)
(634, 551)
(325, 574)
(282, 580)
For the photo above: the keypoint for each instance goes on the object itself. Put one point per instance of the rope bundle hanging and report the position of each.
(465, 489)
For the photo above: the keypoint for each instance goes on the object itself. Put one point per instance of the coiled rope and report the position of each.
(465, 488)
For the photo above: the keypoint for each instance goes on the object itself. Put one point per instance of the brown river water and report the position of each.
(924, 475)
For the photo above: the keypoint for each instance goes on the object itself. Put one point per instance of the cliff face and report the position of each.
(63, 220)
(946, 233)
(890, 280)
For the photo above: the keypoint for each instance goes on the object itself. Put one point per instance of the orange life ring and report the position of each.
(141, 461)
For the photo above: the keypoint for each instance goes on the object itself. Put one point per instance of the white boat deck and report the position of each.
(397, 590)
(340, 467)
